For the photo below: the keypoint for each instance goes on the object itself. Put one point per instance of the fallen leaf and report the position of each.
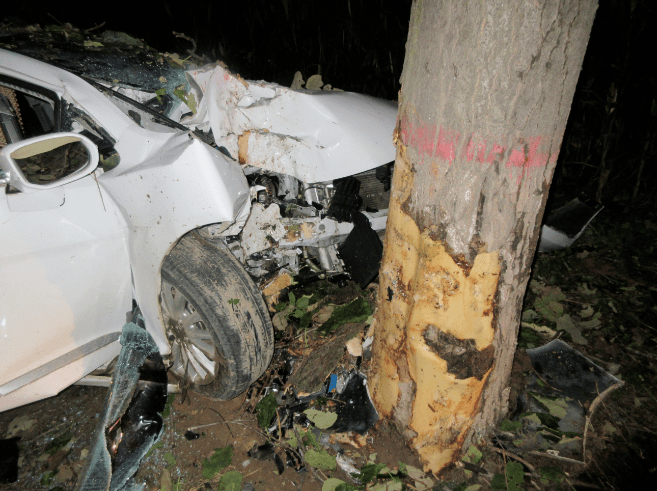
(322, 420)
(221, 459)
(593, 323)
(19, 425)
(331, 483)
(230, 481)
(297, 82)
(314, 83)
(566, 323)
(556, 407)
(320, 459)
(609, 429)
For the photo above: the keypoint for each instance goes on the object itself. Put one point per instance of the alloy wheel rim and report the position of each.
(193, 351)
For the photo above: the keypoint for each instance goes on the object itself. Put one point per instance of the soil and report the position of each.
(611, 269)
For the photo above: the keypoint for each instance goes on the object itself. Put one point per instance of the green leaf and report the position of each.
(92, 44)
(46, 479)
(369, 472)
(167, 407)
(266, 410)
(473, 454)
(548, 303)
(303, 302)
(394, 485)
(169, 458)
(320, 459)
(567, 324)
(321, 419)
(550, 473)
(346, 487)
(515, 475)
(292, 298)
(510, 425)
(230, 481)
(356, 311)
(281, 306)
(58, 443)
(221, 459)
(153, 449)
(556, 407)
(331, 484)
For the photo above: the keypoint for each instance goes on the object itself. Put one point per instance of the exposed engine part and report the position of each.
(328, 258)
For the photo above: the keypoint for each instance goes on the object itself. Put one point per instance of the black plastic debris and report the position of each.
(190, 435)
(9, 460)
(345, 201)
(357, 412)
(562, 391)
(565, 224)
(130, 423)
(362, 251)
(570, 372)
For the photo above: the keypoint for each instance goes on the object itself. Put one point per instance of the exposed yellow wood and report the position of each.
(428, 288)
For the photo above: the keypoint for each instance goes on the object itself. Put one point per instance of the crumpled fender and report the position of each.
(173, 186)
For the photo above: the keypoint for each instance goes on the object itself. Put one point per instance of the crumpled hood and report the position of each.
(313, 135)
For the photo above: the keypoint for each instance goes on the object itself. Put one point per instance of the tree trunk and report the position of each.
(486, 91)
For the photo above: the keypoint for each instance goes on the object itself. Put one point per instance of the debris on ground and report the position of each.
(592, 304)
(563, 226)
(554, 409)
(131, 420)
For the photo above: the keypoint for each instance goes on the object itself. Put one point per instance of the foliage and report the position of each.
(58, 443)
(356, 311)
(266, 410)
(513, 476)
(320, 459)
(321, 419)
(230, 481)
(221, 459)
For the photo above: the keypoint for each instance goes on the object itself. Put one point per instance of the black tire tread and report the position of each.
(209, 275)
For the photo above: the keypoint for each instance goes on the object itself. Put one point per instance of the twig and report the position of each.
(52, 16)
(223, 419)
(186, 38)
(595, 403)
(303, 455)
(515, 457)
(280, 430)
(87, 31)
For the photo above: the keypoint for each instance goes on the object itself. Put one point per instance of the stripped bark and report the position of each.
(486, 91)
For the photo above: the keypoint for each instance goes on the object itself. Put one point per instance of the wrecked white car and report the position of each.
(109, 208)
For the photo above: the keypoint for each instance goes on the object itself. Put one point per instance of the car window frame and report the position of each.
(27, 87)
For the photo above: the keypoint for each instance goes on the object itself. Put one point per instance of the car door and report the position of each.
(65, 281)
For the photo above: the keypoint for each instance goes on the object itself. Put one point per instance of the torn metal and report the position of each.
(289, 181)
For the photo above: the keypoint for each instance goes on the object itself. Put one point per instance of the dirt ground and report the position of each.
(605, 284)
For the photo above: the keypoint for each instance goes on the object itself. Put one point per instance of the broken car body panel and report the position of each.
(315, 136)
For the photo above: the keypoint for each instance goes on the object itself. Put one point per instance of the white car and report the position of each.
(107, 206)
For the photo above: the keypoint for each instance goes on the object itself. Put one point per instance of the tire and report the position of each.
(216, 319)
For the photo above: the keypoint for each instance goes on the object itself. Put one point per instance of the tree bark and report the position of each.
(486, 91)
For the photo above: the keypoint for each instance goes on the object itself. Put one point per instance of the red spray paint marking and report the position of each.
(437, 142)
(424, 138)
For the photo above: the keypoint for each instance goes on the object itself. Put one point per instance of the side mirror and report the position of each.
(48, 161)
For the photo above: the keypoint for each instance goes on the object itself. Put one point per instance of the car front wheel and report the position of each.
(216, 319)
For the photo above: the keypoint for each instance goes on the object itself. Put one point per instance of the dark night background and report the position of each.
(608, 151)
